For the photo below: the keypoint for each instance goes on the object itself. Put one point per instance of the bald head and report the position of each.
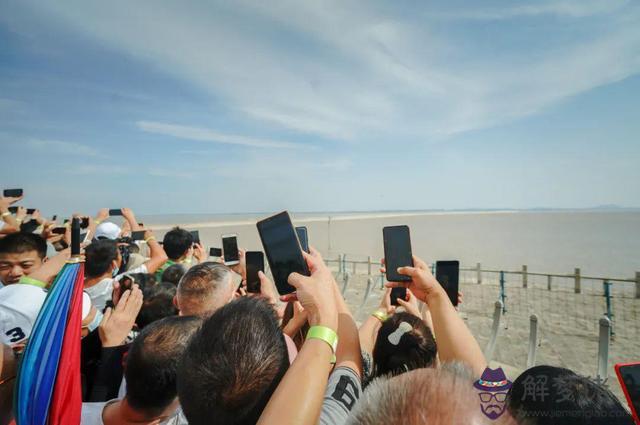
(204, 288)
(419, 397)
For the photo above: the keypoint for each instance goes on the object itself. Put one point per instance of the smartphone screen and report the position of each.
(255, 264)
(283, 250)
(84, 223)
(629, 377)
(397, 252)
(54, 218)
(195, 234)
(448, 275)
(30, 211)
(303, 237)
(115, 212)
(13, 210)
(230, 249)
(29, 227)
(215, 252)
(13, 193)
(137, 235)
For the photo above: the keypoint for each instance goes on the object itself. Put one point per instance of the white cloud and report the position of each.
(351, 71)
(58, 147)
(207, 135)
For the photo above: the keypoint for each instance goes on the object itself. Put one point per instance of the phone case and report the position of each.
(392, 274)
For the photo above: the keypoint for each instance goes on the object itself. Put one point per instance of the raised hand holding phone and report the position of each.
(421, 280)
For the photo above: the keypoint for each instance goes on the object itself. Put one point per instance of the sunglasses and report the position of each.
(486, 397)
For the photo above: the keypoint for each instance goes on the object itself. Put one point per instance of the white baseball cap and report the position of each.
(107, 230)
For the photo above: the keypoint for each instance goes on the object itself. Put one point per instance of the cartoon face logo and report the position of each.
(492, 389)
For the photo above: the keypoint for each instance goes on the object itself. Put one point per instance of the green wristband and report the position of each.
(31, 281)
(327, 335)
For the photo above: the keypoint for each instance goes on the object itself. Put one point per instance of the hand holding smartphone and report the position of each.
(230, 249)
(448, 275)
(255, 264)
(397, 253)
(282, 249)
(195, 235)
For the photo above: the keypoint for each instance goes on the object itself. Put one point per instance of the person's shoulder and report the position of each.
(92, 413)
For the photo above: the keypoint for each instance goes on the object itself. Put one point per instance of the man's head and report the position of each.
(404, 343)
(204, 288)
(177, 242)
(173, 273)
(542, 394)
(20, 254)
(102, 258)
(152, 364)
(421, 396)
(233, 364)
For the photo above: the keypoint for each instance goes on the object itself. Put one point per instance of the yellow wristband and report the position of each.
(327, 335)
(149, 239)
(97, 222)
(380, 315)
(19, 220)
(6, 213)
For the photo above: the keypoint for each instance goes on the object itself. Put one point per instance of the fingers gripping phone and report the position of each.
(303, 237)
(255, 264)
(230, 249)
(397, 253)
(283, 251)
(448, 274)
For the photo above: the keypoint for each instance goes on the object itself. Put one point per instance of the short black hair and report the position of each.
(155, 308)
(173, 273)
(160, 288)
(98, 257)
(176, 242)
(146, 281)
(546, 395)
(152, 363)
(19, 243)
(233, 364)
(416, 348)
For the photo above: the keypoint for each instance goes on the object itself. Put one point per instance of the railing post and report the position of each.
(433, 268)
(524, 276)
(603, 350)
(478, 273)
(368, 291)
(533, 341)
(549, 277)
(503, 295)
(344, 263)
(369, 266)
(339, 264)
(346, 282)
(577, 280)
(495, 327)
(355, 264)
(607, 295)
(637, 284)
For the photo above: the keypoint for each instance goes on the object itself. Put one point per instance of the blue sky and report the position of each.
(171, 106)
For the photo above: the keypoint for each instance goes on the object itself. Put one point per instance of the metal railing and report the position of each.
(551, 307)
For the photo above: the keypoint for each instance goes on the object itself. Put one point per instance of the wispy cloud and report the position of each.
(58, 147)
(207, 135)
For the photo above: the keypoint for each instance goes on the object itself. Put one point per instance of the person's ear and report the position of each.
(175, 302)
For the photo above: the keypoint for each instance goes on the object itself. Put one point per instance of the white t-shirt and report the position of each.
(92, 415)
(20, 305)
(101, 292)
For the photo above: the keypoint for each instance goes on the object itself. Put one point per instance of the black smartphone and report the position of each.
(126, 282)
(303, 237)
(283, 250)
(115, 212)
(255, 264)
(13, 193)
(29, 226)
(195, 235)
(215, 252)
(141, 224)
(30, 211)
(59, 230)
(13, 210)
(629, 378)
(137, 235)
(66, 220)
(448, 275)
(84, 223)
(230, 249)
(397, 253)
(54, 218)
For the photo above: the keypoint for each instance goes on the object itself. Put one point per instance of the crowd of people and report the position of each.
(170, 336)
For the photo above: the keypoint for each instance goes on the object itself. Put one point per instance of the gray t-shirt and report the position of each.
(92, 414)
(342, 394)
